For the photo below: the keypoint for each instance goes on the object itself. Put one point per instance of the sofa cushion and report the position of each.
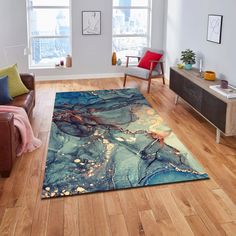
(15, 85)
(4, 95)
(25, 101)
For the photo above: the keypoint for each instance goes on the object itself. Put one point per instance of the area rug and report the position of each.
(112, 139)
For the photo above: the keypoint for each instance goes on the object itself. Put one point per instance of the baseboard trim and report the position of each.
(78, 77)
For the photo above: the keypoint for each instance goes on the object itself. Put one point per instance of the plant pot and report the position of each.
(188, 66)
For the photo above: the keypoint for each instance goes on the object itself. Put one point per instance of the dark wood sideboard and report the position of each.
(218, 110)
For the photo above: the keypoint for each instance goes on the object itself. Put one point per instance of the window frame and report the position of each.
(30, 37)
(149, 22)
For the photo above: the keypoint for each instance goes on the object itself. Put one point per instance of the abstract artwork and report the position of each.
(112, 139)
(214, 28)
(91, 22)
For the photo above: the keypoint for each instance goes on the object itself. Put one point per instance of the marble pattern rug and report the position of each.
(112, 139)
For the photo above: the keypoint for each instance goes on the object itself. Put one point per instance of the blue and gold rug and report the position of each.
(112, 139)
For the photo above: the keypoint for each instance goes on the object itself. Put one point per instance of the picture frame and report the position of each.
(214, 29)
(91, 22)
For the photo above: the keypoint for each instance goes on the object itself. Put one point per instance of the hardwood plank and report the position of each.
(183, 203)
(56, 217)
(141, 200)
(101, 221)
(33, 185)
(2, 211)
(118, 225)
(211, 183)
(229, 228)
(149, 223)
(112, 202)
(23, 226)
(130, 212)
(71, 224)
(86, 219)
(203, 212)
(11, 191)
(176, 216)
(157, 204)
(225, 202)
(208, 200)
(32, 190)
(40, 218)
(166, 226)
(9, 221)
(197, 226)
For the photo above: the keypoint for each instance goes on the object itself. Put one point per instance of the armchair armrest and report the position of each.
(152, 63)
(158, 62)
(128, 57)
(135, 57)
(28, 80)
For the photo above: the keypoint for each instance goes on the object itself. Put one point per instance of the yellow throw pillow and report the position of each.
(15, 85)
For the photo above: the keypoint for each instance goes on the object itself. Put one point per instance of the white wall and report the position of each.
(91, 54)
(186, 27)
(13, 32)
(157, 27)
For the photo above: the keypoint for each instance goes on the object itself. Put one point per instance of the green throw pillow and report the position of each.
(15, 85)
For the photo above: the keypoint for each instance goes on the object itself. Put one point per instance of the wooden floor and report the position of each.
(194, 208)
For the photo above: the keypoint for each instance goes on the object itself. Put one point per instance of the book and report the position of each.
(230, 92)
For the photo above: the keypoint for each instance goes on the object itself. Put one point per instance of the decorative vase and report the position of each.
(119, 62)
(188, 66)
(68, 61)
(114, 59)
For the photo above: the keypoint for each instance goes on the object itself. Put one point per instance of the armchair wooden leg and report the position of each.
(163, 79)
(124, 80)
(149, 85)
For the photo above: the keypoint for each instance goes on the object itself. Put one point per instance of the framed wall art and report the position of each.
(214, 29)
(91, 22)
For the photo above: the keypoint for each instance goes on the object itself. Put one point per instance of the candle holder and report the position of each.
(224, 84)
(201, 72)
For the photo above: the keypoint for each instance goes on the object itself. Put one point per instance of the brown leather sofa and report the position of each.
(9, 134)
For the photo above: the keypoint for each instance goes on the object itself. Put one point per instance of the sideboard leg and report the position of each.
(176, 99)
(217, 135)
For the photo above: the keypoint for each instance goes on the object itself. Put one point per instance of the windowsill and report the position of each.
(50, 68)
(124, 64)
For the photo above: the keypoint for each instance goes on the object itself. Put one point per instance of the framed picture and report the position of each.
(91, 22)
(214, 29)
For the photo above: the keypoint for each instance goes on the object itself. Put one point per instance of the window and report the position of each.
(131, 26)
(49, 31)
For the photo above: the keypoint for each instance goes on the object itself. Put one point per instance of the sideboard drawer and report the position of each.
(214, 110)
(192, 94)
(176, 82)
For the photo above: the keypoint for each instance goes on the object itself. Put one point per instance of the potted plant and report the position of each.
(188, 57)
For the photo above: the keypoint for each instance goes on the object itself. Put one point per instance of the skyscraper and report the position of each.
(126, 12)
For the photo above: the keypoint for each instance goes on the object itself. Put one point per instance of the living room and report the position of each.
(168, 160)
